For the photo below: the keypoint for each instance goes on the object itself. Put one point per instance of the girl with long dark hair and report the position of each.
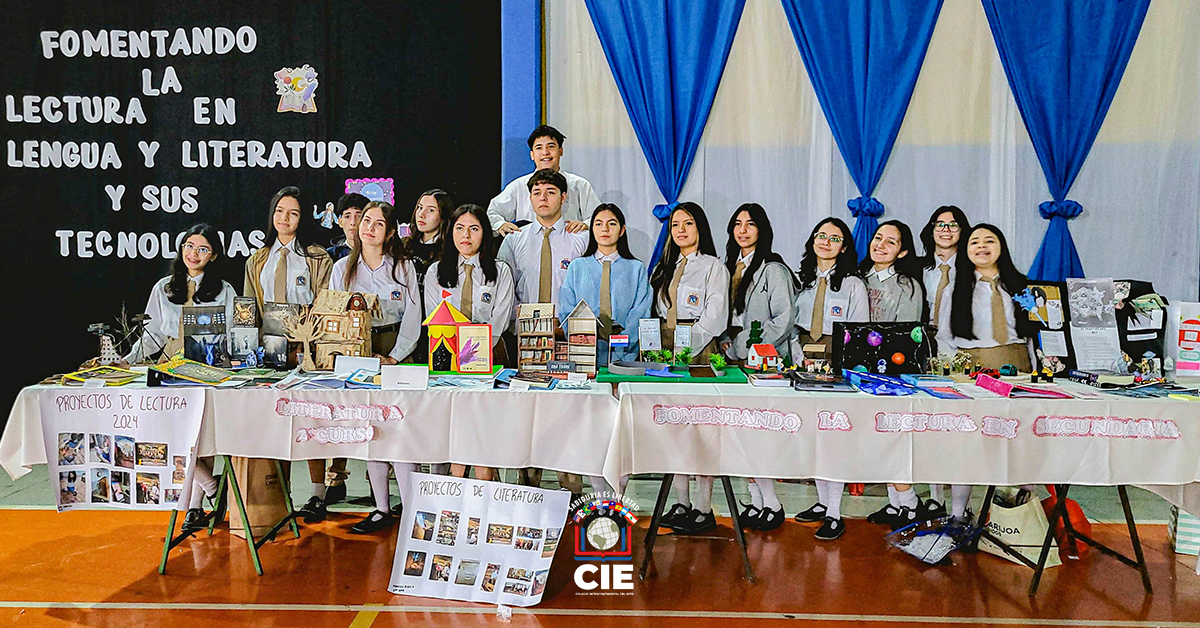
(940, 237)
(691, 287)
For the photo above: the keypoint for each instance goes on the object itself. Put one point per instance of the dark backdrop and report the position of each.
(417, 82)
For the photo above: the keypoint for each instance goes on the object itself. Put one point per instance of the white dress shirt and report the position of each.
(933, 276)
(491, 302)
(399, 301)
(513, 204)
(703, 298)
(738, 318)
(981, 312)
(164, 317)
(522, 251)
(893, 298)
(299, 286)
(850, 304)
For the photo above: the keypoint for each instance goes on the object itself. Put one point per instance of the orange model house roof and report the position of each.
(446, 314)
(766, 350)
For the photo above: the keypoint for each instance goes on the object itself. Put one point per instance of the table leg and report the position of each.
(737, 527)
(1060, 512)
(286, 486)
(162, 564)
(663, 492)
(1137, 543)
(246, 527)
(221, 498)
(984, 511)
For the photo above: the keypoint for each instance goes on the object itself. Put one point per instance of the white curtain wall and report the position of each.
(962, 143)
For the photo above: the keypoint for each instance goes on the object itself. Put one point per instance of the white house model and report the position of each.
(762, 357)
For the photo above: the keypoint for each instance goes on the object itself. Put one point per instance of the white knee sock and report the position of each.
(203, 483)
(770, 499)
(598, 484)
(404, 471)
(440, 468)
(704, 486)
(377, 473)
(937, 493)
(682, 490)
(893, 499)
(822, 492)
(960, 498)
(318, 489)
(908, 498)
(756, 498)
(833, 491)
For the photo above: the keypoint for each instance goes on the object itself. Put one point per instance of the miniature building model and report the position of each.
(762, 357)
(581, 338)
(535, 336)
(443, 323)
(342, 324)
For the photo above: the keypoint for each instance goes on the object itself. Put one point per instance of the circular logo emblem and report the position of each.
(603, 533)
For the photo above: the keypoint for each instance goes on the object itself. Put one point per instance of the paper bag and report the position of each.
(1023, 528)
(259, 482)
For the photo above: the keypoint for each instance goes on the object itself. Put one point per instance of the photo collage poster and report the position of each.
(464, 539)
(120, 448)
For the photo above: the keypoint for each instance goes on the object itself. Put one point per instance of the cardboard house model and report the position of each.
(762, 357)
(535, 336)
(581, 338)
(341, 325)
(443, 323)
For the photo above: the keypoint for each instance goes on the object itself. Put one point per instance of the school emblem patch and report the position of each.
(565, 263)
(693, 298)
(397, 295)
(486, 297)
(836, 310)
(301, 281)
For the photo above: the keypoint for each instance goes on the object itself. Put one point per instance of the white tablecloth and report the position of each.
(560, 430)
(705, 429)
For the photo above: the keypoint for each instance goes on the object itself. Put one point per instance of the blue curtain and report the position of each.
(863, 57)
(667, 57)
(1064, 61)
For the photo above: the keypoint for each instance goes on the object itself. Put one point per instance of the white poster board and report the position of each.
(120, 448)
(463, 539)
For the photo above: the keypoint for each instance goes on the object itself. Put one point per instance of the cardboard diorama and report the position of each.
(274, 333)
(884, 348)
(1045, 303)
(243, 340)
(204, 334)
(581, 338)
(535, 336)
(341, 325)
(456, 345)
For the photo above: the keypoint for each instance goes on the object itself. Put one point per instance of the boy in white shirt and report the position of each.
(512, 203)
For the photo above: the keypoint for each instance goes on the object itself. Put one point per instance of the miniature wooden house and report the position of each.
(443, 323)
(342, 324)
(762, 357)
(535, 336)
(581, 338)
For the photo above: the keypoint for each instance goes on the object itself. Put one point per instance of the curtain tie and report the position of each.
(1063, 209)
(865, 206)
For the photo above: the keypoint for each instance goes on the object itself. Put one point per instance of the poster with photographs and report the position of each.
(120, 449)
(464, 539)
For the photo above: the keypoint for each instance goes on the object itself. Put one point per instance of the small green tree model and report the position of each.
(717, 361)
(683, 356)
(755, 334)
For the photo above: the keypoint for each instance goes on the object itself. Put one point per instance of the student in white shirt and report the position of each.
(691, 286)
(894, 286)
(980, 317)
(478, 285)
(512, 203)
(194, 280)
(423, 246)
(940, 237)
(762, 289)
(830, 291)
(538, 255)
(377, 265)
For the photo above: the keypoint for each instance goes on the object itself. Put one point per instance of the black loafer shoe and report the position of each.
(906, 517)
(812, 515)
(697, 522)
(397, 510)
(885, 516)
(195, 520)
(314, 511)
(677, 513)
(769, 519)
(748, 518)
(930, 509)
(831, 529)
(335, 494)
(374, 522)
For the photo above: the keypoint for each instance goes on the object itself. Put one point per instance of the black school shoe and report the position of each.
(195, 520)
(885, 516)
(335, 494)
(748, 518)
(314, 511)
(831, 529)
(374, 522)
(905, 517)
(672, 517)
(812, 515)
(769, 519)
(696, 522)
(930, 509)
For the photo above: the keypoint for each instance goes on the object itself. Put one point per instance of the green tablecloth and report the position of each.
(733, 375)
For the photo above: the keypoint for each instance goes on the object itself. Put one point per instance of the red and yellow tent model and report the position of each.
(443, 324)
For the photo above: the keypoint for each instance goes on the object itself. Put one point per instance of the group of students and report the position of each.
(532, 245)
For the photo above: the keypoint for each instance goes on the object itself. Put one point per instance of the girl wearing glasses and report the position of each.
(691, 287)
(830, 291)
(940, 237)
(192, 282)
(979, 316)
